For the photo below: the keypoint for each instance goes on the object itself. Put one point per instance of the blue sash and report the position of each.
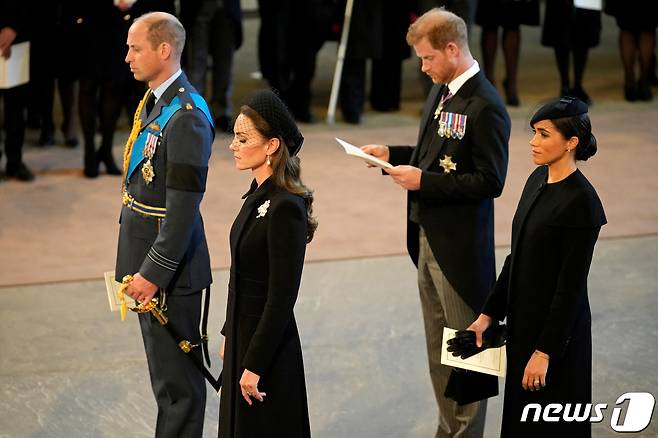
(167, 112)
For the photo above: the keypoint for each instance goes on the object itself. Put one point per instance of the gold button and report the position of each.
(181, 90)
(79, 20)
(126, 17)
(188, 106)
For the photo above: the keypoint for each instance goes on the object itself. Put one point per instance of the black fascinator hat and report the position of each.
(561, 107)
(271, 108)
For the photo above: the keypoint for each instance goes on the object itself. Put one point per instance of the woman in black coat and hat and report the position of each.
(542, 289)
(263, 387)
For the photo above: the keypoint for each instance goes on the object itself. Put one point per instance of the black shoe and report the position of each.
(580, 93)
(644, 91)
(91, 165)
(223, 124)
(46, 138)
(110, 165)
(511, 97)
(384, 108)
(630, 92)
(353, 118)
(20, 172)
(71, 142)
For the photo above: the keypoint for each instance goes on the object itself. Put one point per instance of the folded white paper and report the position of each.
(112, 288)
(354, 151)
(15, 71)
(594, 5)
(491, 361)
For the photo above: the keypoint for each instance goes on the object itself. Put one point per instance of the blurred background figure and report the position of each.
(214, 28)
(98, 30)
(637, 21)
(365, 42)
(47, 68)
(571, 32)
(509, 15)
(291, 33)
(386, 75)
(13, 30)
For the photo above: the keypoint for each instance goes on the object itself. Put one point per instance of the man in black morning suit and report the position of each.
(162, 242)
(452, 175)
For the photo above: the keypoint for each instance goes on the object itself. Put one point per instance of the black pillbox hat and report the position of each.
(278, 116)
(565, 106)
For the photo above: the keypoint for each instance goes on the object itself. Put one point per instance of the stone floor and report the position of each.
(70, 368)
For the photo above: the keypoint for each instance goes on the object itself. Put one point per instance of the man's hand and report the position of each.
(7, 36)
(408, 177)
(378, 151)
(141, 289)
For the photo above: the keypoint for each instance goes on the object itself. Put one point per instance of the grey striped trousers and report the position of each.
(443, 307)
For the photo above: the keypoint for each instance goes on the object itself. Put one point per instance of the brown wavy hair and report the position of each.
(286, 168)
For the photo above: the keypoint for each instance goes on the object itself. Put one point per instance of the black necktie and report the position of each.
(150, 102)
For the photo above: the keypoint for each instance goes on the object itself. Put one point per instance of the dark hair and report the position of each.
(578, 126)
(286, 168)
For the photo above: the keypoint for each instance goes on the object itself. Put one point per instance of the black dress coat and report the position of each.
(268, 243)
(542, 290)
(456, 209)
(566, 26)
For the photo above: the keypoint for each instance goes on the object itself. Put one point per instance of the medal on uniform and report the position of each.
(148, 173)
(442, 124)
(447, 164)
(448, 130)
(461, 126)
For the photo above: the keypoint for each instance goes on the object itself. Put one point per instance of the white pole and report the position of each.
(338, 71)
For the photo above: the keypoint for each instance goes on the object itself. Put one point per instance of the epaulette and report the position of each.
(186, 100)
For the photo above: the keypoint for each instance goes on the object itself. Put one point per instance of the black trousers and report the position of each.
(178, 386)
(14, 100)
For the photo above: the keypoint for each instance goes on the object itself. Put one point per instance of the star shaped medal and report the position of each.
(447, 164)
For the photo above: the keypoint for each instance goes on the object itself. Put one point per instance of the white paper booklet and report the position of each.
(594, 5)
(491, 361)
(15, 71)
(354, 151)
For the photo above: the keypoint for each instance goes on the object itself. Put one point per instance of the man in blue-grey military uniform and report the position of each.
(162, 244)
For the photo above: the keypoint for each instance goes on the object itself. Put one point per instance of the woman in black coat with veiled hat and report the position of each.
(263, 387)
(542, 289)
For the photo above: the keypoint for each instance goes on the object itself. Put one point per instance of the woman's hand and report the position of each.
(249, 386)
(534, 376)
(479, 326)
(221, 349)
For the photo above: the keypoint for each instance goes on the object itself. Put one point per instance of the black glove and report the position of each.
(464, 346)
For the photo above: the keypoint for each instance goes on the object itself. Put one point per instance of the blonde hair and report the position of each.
(440, 27)
(164, 28)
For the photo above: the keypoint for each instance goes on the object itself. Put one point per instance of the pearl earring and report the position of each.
(269, 163)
